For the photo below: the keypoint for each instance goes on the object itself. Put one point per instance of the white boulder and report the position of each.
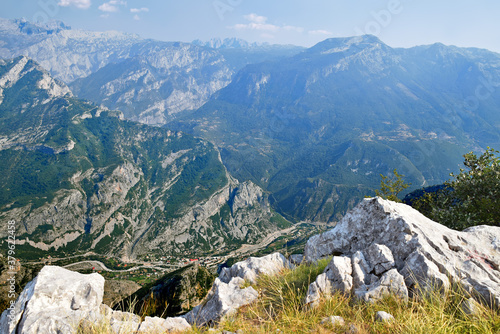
(59, 301)
(54, 302)
(393, 236)
(223, 299)
(156, 325)
(252, 267)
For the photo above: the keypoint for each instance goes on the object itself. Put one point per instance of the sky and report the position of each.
(398, 23)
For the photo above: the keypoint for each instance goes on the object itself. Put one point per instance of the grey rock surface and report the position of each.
(59, 300)
(252, 267)
(55, 301)
(322, 286)
(391, 282)
(334, 320)
(471, 307)
(383, 316)
(380, 257)
(156, 325)
(425, 253)
(339, 272)
(120, 322)
(296, 259)
(223, 299)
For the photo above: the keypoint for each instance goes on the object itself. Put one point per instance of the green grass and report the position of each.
(280, 306)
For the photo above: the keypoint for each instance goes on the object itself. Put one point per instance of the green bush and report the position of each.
(470, 198)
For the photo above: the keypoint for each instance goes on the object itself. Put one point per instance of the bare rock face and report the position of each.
(392, 247)
(55, 301)
(59, 301)
(153, 325)
(227, 294)
(223, 299)
(339, 272)
(382, 316)
(252, 267)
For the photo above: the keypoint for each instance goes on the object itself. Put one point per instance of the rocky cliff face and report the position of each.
(162, 80)
(79, 178)
(150, 81)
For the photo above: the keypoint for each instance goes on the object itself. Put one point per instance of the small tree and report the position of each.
(391, 187)
(471, 197)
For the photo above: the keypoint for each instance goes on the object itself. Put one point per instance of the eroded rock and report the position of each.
(55, 301)
(223, 299)
(252, 267)
(391, 282)
(156, 325)
(387, 241)
(383, 316)
(333, 320)
(60, 301)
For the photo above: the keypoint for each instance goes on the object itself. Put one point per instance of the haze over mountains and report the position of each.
(150, 81)
(317, 129)
(79, 178)
(313, 128)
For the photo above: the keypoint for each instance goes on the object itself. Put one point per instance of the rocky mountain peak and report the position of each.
(33, 77)
(356, 43)
(226, 43)
(23, 26)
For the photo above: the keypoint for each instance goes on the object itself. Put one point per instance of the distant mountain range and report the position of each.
(316, 129)
(79, 178)
(313, 127)
(149, 81)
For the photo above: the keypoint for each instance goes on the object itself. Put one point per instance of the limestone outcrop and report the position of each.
(59, 301)
(252, 267)
(378, 248)
(384, 247)
(223, 299)
(228, 294)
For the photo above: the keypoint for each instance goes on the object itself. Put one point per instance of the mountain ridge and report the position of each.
(392, 108)
(78, 177)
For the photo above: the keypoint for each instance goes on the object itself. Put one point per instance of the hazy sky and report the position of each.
(399, 23)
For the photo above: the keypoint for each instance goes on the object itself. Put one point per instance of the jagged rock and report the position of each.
(334, 320)
(54, 302)
(337, 276)
(360, 270)
(59, 301)
(296, 259)
(391, 282)
(380, 258)
(417, 265)
(382, 316)
(120, 322)
(426, 253)
(155, 325)
(320, 287)
(223, 299)
(339, 272)
(252, 267)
